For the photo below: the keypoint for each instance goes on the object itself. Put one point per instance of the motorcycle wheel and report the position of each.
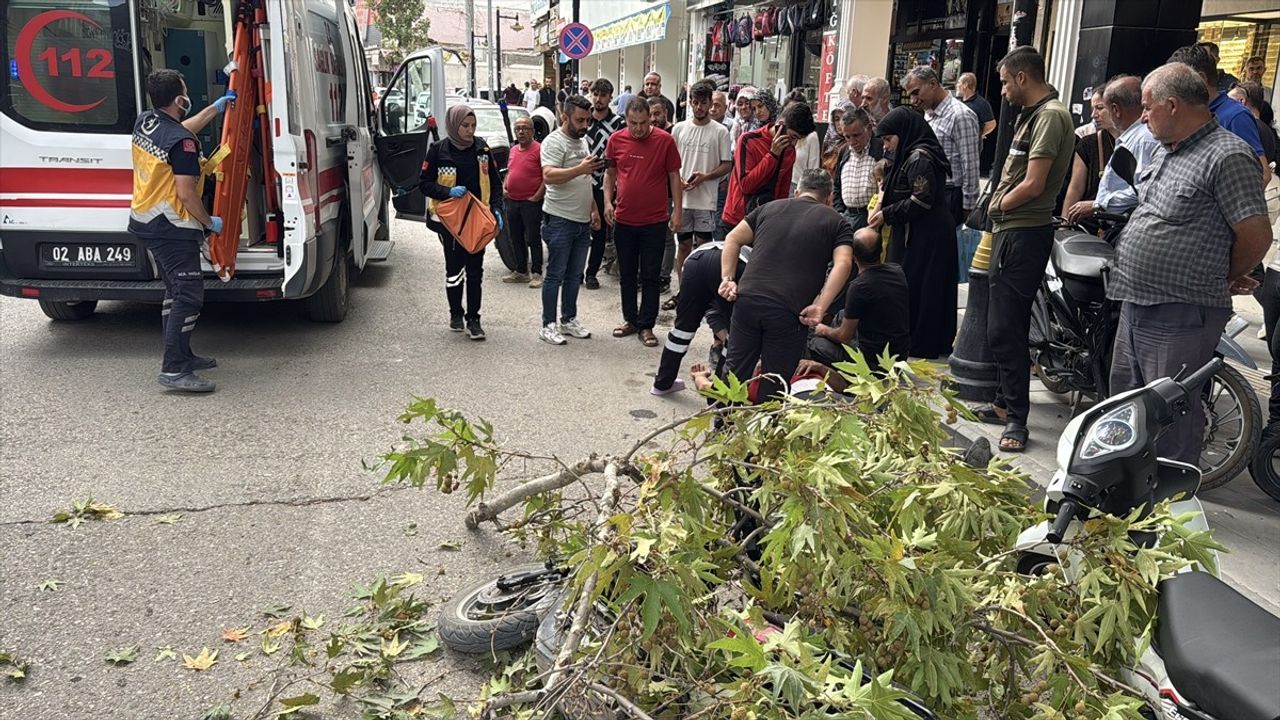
(1233, 424)
(484, 617)
(1265, 467)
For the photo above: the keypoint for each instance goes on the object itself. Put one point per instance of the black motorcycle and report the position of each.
(1073, 329)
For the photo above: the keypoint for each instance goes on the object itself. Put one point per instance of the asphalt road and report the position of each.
(275, 506)
(266, 472)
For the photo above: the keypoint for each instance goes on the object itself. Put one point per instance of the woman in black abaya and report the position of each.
(922, 232)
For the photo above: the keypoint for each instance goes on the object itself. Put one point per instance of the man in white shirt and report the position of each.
(1123, 97)
(705, 157)
(531, 95)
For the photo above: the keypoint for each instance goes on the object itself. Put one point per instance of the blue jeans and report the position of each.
(967, 240)
(568, 243)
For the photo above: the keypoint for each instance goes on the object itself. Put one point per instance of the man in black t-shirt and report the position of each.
(877, 312)
(782, 291)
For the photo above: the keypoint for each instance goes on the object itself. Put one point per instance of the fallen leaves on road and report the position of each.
(12, 666)
(450, 545)
(234, 635)
(408, 579)
(276, 611)
(280, 628)
(170, 519)
(87, 509)
(123, 655)
(165, 653)
(205, 660)
(312, 623)
(51, 585)
(295, 704)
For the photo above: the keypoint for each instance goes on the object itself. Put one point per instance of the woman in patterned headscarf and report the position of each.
(923, 236)
(456, 165)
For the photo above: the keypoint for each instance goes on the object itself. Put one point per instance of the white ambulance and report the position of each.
(76, 83)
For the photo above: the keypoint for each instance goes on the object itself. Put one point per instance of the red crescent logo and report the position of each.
(27, 39)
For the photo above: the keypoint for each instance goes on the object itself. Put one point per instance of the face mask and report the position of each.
(184, 107)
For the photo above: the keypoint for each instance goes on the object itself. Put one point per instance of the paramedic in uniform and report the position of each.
(167, 215)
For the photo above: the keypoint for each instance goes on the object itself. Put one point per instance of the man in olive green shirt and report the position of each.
(1021, 212)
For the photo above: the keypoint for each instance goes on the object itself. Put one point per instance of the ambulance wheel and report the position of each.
(69, 310)
(329, 304)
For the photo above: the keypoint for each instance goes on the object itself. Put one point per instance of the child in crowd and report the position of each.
(878, 172)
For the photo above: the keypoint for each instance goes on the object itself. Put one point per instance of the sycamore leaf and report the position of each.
(450, 545)
(205, 660)
(242, 656)
(312, 623)
(234, 635)
(280, 628)
(269, 647)
(422, 648)
(295, 704)
(124, 655)
(13, 667)
(743, 650)
(344, 681)
(394, 648)
(220, 712)
(408, 579)
(170, 519)
(275, 611)
(788, 683)
(51, 585)
(334, 647)
(165, 653)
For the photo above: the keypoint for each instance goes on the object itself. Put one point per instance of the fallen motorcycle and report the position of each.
(1215, 653)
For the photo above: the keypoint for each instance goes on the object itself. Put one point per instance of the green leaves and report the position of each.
(87, 509)
(123, 655)
(658, 595)
(13, 667)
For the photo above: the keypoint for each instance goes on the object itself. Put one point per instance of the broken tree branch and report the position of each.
(489, 511)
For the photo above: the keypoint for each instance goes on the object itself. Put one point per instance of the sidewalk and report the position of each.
(1243, 518)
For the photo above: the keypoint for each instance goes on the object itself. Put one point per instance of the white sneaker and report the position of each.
(574, 329)
(550, 334)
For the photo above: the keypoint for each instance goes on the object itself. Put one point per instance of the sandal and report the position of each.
(1014, 438)
(990, 414)
(624, 330)
(671, 302)
(648, 338)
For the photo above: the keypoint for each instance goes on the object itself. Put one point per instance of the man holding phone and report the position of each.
(763, 162)
(705, 157)
(569, 217)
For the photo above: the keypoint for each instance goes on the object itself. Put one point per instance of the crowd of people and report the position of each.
(791, 247)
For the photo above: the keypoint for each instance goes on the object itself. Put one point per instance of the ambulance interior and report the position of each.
(193, 37)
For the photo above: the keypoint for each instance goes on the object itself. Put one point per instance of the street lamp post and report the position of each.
(497, 37)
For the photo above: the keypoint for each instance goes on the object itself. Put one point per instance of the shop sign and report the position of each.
(828, 76)
(538, 8)
(635, 29)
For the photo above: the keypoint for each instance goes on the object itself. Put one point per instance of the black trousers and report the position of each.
(639, 263)
(955, 201)
(765, 332)
(1268, 296)
(599, 238)
(699, 291)
(179, 263)
(1018, 260)
(525, 217)
(462, 270)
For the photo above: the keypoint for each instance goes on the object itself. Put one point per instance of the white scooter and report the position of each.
(1216, 654)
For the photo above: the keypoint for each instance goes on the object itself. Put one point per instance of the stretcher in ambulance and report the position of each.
(314, 201)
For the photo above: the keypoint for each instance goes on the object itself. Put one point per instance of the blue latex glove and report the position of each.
(497, 215)
(457, 191)
(215, 224)
(221, 103)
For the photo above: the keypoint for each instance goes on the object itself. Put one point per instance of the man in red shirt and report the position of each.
(643, 163)
(524, 190)
(762, 160)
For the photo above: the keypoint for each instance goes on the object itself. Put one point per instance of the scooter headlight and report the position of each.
(1111, 433)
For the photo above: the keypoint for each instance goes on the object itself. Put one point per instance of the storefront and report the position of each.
(756, 43)
(1242, 33)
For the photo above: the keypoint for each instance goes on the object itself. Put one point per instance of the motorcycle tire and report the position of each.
(1265, 467)
(1229, 380)
(547, 641)
(483, 618)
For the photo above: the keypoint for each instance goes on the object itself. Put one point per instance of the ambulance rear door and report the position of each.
(408, 113)
(364, 181)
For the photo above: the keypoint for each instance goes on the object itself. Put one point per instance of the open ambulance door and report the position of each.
(407, 116)
(364, 182)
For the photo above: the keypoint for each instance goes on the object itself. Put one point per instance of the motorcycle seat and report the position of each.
(1081, 255)
(1220, 649)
